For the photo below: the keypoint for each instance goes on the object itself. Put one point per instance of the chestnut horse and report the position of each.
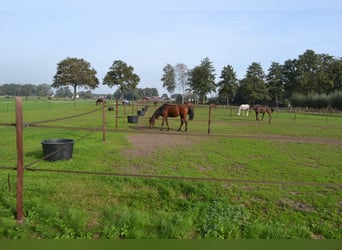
(263, 109)
(173, 110)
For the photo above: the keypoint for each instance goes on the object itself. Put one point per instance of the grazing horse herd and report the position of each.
(258, 109)
(183, 110)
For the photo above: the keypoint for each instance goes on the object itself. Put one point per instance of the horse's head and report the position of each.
(152, 120)
(254, 107)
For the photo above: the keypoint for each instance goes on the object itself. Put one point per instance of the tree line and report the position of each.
(44, 90)
(309, 74)
(75, 73)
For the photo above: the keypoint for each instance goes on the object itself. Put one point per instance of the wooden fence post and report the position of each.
(132, 106)
(20, 160)
(209, 119)
(103, 122)
(117, 112)
(124, 112)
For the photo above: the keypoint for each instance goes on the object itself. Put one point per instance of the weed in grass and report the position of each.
(222, 220)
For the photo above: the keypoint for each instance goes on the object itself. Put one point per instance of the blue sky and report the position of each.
(37, 34)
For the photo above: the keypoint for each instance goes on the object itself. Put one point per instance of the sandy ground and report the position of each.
(146, 144)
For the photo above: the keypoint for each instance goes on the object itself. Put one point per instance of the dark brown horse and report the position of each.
(263, 109)
(100, 100)
(173, 110)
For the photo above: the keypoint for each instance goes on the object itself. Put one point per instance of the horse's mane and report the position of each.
(158, 112)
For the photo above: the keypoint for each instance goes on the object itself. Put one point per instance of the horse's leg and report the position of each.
(269, 117)
(162, 124)
(181, 124)
(167, 123)
(186, 124)
(263, 114)
(257, 115)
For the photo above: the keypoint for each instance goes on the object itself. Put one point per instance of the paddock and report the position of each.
(159, 177)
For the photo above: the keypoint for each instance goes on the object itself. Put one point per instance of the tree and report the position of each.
(75, 72)
(307, 66)
(316, 73)
(149, 92)
(312, 73)
(254, 83)
(44, 89)
(275, 82)
(182, 74)
(202, 78)
(229, 83)
(169, 78)
(64, 92)
(28, 90)
(86, 94)
(336, 71)
(137, 93)
(291, 77)
(122, 75)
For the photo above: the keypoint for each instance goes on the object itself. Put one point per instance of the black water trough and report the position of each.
(133, 118)
(57, 149)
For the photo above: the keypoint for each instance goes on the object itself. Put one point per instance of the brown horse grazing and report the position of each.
(100, 100)
(263, 109)
(173, 110)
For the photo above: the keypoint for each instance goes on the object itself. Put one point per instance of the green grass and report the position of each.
(70, 206)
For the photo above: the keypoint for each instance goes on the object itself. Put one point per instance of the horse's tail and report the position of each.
(191, 113)
(272, 110)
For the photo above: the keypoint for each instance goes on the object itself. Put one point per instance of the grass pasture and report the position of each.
(252, 180)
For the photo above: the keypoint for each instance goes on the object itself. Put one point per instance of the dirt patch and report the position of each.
(299, 206)
(147, 144)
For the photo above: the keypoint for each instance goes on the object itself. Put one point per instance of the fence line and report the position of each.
(185, 178)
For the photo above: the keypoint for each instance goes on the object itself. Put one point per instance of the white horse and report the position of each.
(243, 108)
